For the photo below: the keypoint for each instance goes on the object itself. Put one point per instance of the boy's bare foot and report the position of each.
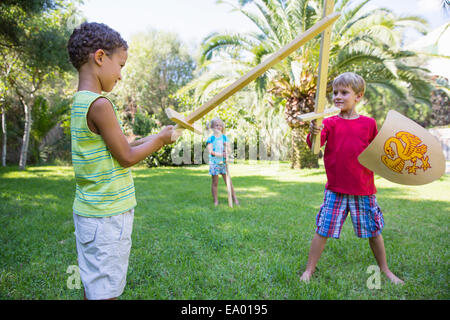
(306, 276)
(393, 278)
(216, 203)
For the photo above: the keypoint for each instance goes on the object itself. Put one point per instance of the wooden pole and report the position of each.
(228, 179)
(312, 115)
(4, 132)
(323, 74)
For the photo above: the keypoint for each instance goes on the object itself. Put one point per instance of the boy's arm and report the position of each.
(140, 141)
(102, 117)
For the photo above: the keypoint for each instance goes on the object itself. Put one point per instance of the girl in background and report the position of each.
(218, 145)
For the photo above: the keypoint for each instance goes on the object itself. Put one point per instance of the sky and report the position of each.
(195, 19)
(191, 19)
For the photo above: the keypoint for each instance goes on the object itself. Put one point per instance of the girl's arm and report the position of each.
(102, 120)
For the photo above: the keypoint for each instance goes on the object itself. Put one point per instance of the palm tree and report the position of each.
(364, 42)
(445, 6)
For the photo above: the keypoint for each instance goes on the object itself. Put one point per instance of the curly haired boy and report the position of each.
(103, 209)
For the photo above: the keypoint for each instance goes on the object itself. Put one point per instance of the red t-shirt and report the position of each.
(345, 140)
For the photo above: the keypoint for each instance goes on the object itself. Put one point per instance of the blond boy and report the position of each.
(350, 187)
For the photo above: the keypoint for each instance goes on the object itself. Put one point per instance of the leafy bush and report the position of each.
(190, 151)
(174, 154)
(144, 123)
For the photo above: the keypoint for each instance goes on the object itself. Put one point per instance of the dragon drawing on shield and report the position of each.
(408, 147)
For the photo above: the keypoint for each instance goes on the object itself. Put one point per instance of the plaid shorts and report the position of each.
(217, 168)
(366, 215)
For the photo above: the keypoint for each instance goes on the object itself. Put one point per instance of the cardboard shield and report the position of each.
(404, 152)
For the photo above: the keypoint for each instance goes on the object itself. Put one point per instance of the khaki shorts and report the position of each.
(103, 247)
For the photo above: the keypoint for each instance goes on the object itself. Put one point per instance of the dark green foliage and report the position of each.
(14, 13)
(143, 123)
(33, 70)
(158, 65)
(160, 158)
(307, 158)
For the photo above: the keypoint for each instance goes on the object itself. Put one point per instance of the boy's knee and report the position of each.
(321, 236)
(375, 238)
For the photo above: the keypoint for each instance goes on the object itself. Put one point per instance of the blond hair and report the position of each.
(352, 80)
(209, 124)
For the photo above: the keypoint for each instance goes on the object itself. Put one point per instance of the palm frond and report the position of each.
(413, 22)
(270, 25)
(223, 42)
(362, 19)
(392, 86)
(258, 22)
(295, 9)
(380, 28)
(346, 59)
(347, 15)
(287, 32)
(260, 52)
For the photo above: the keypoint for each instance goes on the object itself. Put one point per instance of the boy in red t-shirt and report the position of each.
(350, 186)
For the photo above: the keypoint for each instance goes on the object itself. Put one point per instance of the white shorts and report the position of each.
(103, 246)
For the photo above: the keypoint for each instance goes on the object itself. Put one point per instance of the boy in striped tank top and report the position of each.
(103, 209)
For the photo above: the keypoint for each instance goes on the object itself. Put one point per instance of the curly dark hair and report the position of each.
(88, 38)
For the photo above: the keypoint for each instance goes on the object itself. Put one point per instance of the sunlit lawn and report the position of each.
(185, 248)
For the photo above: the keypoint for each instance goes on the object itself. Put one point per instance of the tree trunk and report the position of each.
(26, 134)
(3, 111)
(440, 115)
(301, 154)
(295, 147)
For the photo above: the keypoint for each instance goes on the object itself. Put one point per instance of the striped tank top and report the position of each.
(103, 186)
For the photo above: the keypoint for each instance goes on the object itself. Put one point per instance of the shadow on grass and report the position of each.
(172, 185)
(181, 185)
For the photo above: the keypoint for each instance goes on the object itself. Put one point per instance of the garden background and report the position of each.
(183, 247)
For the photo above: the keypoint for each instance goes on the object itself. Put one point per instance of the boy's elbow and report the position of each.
(126, 157)
(125, 162)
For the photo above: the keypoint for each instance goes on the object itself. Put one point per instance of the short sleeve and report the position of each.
(210, 140)
(374, 131)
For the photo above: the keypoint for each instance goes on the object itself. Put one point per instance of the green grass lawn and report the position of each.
(185, 248)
